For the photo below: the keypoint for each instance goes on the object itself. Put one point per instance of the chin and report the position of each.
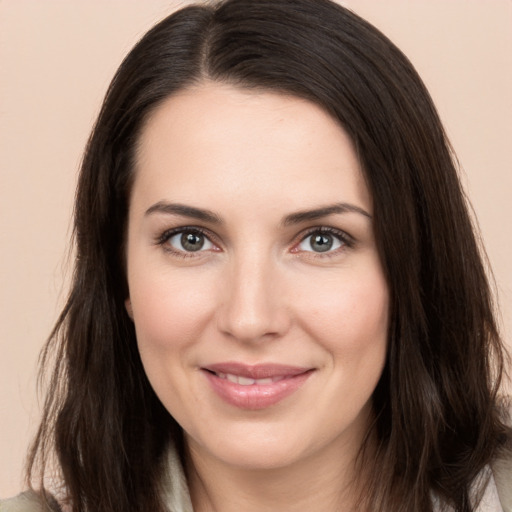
(251, 449)
(258, 458)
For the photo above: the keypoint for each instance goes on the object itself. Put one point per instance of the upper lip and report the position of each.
(257, 371)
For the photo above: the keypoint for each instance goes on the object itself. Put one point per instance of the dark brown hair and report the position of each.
(438, 421)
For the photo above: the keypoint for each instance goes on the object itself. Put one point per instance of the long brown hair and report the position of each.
(438, 420)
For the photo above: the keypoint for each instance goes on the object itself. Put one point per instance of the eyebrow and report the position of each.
(291, 219)
(318, 213)
(185, 211)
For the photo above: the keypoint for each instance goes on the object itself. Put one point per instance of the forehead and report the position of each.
(231, 141)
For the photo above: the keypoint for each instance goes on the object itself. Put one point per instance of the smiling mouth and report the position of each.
(255, 387)
(247, 381)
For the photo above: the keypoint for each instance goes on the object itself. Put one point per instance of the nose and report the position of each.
(254, 305)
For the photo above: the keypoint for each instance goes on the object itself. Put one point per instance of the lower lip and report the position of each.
(256, 396)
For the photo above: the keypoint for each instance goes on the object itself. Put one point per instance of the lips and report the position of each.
(247, 381)
(255, 386)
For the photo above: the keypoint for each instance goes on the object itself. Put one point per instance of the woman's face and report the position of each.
(258, 297)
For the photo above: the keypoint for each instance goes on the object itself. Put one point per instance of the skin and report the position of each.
(258, 291)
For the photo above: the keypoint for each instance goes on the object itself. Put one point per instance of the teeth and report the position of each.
(245, 381)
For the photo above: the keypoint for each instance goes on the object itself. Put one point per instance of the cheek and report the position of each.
(354, 310)
(169, 309)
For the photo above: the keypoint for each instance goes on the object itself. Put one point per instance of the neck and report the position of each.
(319, 482)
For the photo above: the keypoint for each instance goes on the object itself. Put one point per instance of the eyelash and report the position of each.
(167, 235)
(347, 241)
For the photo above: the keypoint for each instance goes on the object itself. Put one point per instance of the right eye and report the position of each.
(186, 240)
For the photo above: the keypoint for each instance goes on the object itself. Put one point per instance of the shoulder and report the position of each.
(28, 502)
(502, 472)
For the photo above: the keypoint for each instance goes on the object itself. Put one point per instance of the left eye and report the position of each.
(189, 241)
(320, 242)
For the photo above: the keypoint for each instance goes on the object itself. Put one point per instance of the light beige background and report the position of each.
(56, 59)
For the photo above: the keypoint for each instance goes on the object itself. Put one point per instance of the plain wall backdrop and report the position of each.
(56, 60)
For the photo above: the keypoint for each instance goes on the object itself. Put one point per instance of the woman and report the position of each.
(278, 299)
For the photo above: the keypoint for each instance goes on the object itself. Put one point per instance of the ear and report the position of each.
(128, 306)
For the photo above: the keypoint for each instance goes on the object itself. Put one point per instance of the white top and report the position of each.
(177, 496)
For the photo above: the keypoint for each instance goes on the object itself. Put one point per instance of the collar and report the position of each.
(177, 496)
